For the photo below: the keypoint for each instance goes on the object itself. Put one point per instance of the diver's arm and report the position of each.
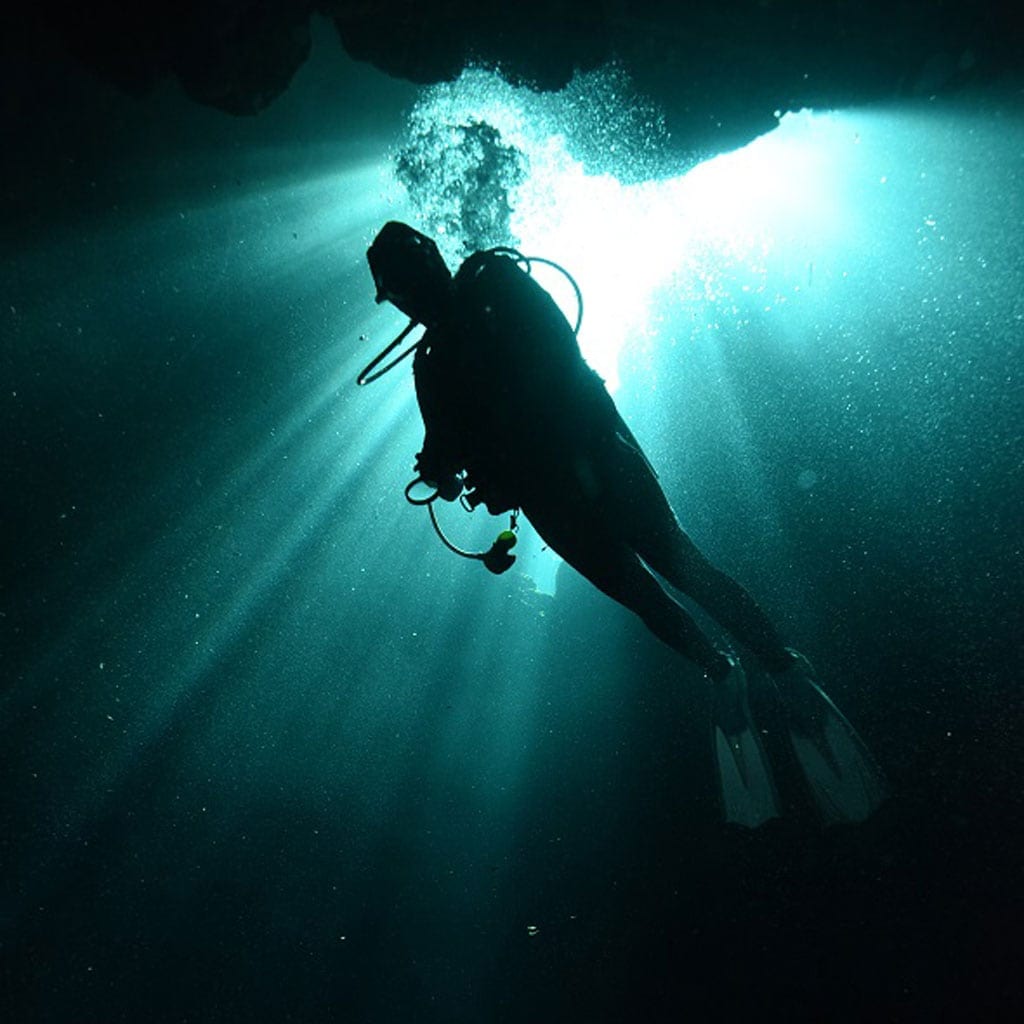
(439, 460)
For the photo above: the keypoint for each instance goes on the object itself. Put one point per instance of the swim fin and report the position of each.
(745, 781)
(842, 777)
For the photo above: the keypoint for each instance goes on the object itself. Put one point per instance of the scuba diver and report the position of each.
(515, 419)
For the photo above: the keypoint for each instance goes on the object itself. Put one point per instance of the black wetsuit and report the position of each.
(506, 396)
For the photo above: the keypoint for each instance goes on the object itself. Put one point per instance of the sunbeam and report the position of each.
(263, 734)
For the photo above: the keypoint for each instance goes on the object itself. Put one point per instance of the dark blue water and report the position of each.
(269, 752)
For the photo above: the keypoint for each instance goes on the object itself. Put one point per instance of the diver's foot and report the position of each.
(745, 777)
(729, 697)
(796, 663)
(841, 776)
(719, 670)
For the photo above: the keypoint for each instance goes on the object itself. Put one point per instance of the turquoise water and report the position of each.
(270, 752)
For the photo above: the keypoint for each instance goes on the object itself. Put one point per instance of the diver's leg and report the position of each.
(725, 600)
(651, 527)
(617, 571)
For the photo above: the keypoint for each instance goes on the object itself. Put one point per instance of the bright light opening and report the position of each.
(711, 231)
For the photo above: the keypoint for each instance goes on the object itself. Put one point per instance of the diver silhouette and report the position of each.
(515, 419)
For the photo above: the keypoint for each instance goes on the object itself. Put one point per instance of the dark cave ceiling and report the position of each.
(718, 68)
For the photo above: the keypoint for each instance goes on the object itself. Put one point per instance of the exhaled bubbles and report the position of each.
(582, 177)
(480, 156)
(459, 177)
(485, 163)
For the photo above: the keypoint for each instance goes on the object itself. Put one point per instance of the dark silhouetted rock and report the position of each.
(718, 68)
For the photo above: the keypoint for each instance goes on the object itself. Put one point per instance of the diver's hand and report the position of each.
(447, 485)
